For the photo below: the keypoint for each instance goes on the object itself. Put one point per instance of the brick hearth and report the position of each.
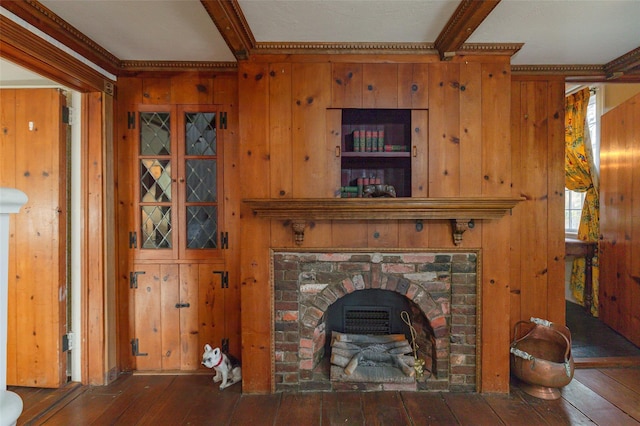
(441, 288)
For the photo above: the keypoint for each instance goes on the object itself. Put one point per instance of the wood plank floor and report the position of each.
(604, 396)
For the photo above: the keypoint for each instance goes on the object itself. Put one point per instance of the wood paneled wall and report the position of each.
(537, 241)
(287, 134)
(620, 219)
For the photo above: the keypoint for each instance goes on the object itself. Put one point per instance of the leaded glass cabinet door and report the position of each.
(199, 183)
(157, 168)
(180, 180)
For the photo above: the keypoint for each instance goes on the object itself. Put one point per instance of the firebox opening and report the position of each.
(371, 311)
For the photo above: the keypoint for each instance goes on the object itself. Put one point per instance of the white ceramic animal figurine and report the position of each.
(227, 368)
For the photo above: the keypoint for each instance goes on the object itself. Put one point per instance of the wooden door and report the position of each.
(33, 151)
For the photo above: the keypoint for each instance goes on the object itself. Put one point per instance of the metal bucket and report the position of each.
(541, 357)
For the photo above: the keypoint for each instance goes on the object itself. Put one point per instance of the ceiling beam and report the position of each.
(233, 27)
(464, 21)
(629, 63)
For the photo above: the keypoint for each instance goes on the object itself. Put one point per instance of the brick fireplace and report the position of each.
(438, 292)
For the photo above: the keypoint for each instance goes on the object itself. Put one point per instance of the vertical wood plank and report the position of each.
(253, 96)
(346, 85)
(191, 88)
(93, 238)
(556, 305)
(190, 349)
(471, 141)
(444, 140)
(310, 151)
(348, 234)
(156, 91)
(148, 317)
(311, 154)
(496, 170)
(8, 173)
(634, 266)
(171, 279)
(281, 148)
(280, 129)
(226, 94)
(624, 263)
(380, 85)
(517, 249)
(382, 233)
(413, 86)
(444, 143)
(420, 145)
(470, 129)
(129, 94)
(533, 177)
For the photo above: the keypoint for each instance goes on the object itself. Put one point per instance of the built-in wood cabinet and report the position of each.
(379, 147)
(179, 305)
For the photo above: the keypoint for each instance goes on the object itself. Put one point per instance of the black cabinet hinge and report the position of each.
(133, 278)
(223, 120)
(135, 348)
(224, 278)
(131, 120)
(224, 240)
(133, 240)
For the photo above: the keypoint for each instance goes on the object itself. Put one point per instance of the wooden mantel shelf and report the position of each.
(462, 211)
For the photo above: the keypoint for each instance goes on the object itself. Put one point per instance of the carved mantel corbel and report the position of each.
(459, 226)
(298, 226)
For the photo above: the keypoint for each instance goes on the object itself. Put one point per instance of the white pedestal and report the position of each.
(10, 403)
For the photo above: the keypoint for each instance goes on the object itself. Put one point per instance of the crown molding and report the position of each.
(576, 69)
(48, 22)
(127, 67)
(292, 48)
(30, 51)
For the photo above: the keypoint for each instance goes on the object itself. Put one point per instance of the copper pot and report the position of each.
(541, 358)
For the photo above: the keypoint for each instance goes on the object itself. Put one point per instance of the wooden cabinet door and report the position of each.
(178, 309)
(33, 152)
(420, 153)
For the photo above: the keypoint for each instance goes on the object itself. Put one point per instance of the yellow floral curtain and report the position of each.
(580, 176)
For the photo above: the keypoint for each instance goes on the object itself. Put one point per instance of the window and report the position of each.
(573, 201)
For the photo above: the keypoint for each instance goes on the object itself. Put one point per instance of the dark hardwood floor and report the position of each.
(609, 396)
(605, 391)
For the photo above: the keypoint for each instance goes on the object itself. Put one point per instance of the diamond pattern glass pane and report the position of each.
(201, 181)
(155, 133)
(202, 227)
(156, 227)
(155, 180)
(200, 133)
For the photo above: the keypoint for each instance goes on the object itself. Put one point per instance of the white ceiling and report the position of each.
(554, 32)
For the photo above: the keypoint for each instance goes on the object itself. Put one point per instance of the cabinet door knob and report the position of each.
(337, 151)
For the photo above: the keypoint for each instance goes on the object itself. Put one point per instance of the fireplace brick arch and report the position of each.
(441, 285)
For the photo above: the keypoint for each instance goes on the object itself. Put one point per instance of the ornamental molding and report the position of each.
(130, 66)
